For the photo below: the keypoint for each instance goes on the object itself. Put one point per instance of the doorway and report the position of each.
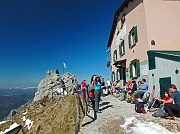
(164, 84)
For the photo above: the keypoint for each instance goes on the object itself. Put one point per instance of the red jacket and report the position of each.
(166, 99)
(83, 83)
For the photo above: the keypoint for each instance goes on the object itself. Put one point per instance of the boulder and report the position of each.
(52, 82)
(11, 114)
(69, 81)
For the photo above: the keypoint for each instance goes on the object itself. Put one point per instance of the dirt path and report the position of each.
(112, 116)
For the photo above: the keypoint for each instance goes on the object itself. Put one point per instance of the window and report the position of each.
(133, 37)
(152, 62)
(123, 20)
(122, 48)
(117, 29)
(113, 76)
(134, 68)
(115, 55)
(117, 74)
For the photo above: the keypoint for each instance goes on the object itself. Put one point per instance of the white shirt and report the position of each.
(108, 83)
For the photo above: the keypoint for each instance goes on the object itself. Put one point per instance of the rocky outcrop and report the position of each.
(69, 81)
(52, 82)
(11, 114)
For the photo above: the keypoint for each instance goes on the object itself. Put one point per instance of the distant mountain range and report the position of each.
(13, 98)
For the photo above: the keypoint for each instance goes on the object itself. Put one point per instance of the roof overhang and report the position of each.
(170, 55)
(120, 63)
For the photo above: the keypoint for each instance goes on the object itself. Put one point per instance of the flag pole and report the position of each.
(62, 66)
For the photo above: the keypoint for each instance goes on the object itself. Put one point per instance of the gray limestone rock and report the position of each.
(11, 114)
(69, 81)
(52, 82)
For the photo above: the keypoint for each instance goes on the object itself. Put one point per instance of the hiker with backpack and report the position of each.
(170, 108)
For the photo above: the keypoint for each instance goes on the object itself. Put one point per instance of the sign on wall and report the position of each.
(144, 69)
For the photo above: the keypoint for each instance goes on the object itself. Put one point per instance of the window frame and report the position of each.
(133, 37)
(123, 19)
(115, 55)
(122, 48)
(113, 76)
(134, 68)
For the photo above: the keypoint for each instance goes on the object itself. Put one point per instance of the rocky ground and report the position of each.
(113, 115)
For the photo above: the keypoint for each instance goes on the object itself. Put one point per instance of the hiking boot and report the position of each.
(170, 117)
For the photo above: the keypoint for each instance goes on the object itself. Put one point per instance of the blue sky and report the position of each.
(36, 35)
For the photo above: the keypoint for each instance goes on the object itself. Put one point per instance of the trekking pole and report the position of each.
(153, 104)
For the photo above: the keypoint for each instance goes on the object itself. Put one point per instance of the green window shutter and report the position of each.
(129, 39)
(116, 74)
(136, 34)
(114, 56)
(131, 70)
(123, 47)
(138, 68)
(120, 52)
(152, 62)
(113, 76)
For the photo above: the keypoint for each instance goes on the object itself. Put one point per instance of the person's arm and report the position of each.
(168, 101)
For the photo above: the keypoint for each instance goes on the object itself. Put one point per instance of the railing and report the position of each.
(81, 104)
(16, 130)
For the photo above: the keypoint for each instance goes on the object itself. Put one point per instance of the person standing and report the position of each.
(172, 108)
(97, 92)
(85, 89)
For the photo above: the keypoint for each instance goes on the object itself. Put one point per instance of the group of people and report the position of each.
(94, 93)
(132, 92)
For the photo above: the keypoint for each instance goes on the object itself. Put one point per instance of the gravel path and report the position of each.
(113, 114)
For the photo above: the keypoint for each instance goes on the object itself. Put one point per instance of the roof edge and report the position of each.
(113, 27)
(165, 54)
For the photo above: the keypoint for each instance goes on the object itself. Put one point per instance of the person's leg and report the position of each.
(96, 94)
(99, 97)
(126, 95)
(133, 97)
(139, 95)
(169, 108)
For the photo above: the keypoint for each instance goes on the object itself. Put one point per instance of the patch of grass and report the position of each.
(57, 117)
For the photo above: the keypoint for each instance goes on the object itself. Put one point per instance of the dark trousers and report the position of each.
(170, 108)
(139, 95)
(97, 94)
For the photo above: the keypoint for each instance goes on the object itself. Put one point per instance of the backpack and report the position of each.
(139, 106)
(160, 112)
(121, 96)
(146, 96)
